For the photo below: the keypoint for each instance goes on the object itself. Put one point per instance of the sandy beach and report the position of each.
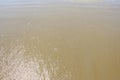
(59, 42)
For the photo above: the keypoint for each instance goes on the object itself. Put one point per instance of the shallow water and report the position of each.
(59, 42)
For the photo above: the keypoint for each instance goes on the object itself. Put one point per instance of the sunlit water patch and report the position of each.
(17, 64)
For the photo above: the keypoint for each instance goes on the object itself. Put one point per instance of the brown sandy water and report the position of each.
(59, 43)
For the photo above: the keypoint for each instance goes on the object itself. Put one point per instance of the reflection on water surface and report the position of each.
(22, 61)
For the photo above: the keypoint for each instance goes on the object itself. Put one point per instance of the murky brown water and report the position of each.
(59, 43)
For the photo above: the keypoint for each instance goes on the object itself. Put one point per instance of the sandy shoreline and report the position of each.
(59, 43)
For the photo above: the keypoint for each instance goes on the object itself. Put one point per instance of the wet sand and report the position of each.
(59, 43)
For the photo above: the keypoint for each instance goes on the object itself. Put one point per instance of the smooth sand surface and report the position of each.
(59, 43)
